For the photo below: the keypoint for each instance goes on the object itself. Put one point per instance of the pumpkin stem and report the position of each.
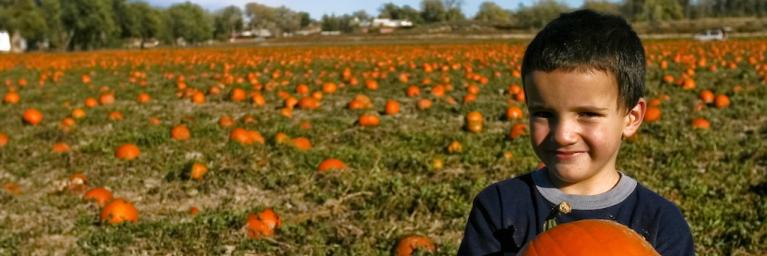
(551, 221)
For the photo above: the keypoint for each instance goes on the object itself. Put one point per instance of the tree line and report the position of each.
(91, 24)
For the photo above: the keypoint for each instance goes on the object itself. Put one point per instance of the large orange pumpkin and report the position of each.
(589, 237)
(118, 211)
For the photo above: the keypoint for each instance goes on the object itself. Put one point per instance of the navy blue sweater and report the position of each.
(508, 214)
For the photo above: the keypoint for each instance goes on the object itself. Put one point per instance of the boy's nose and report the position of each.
(565, 132)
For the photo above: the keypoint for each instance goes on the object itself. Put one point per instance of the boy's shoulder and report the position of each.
(516, 187)
(653, 200)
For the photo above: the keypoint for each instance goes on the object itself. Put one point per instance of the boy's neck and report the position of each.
(598, 184)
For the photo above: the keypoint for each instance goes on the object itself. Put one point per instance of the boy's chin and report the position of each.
(568, 173)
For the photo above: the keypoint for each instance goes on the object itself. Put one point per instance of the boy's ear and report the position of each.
(634, 118)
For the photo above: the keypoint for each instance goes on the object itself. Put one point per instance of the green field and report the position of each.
(392, 188)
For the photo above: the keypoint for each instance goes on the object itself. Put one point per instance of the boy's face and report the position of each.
(577, 124)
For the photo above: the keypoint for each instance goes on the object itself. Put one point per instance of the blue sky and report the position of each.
(316, 8)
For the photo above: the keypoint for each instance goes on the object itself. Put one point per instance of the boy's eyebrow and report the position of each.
(590, 108)
(576, 108)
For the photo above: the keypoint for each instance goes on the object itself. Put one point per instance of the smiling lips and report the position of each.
(564, 155)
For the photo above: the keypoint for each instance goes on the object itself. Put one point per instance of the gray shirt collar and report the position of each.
(617, 194)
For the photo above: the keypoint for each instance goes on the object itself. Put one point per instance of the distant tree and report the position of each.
(361, 15)
(492, 12)
(654, 11)
(25, 18)
(287, 20)
(406, 12)
(137, 20)
(305, 19)
(454, 12)
(227, 21)
(261, 16)
(604, 6)
(90, 24)
(150, 19)
(277, 20)
(341, 23)
(538, 15)
(57, 35)
(411, 14)
(389, 11)
(189, 21)
(433, 11)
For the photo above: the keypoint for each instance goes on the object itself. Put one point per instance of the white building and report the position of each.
(5, 41)
(389, 23)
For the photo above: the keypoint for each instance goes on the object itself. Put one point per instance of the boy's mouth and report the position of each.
(564, 155)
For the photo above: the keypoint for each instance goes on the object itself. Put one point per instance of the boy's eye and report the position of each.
(589, 114)
(542, 114)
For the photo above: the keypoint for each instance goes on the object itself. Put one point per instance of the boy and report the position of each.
(583, 76)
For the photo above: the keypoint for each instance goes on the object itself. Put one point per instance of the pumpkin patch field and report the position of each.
(342, 150)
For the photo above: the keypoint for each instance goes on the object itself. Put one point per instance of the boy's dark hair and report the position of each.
(584, 40)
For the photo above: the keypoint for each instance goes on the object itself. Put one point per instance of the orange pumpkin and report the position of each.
(423, 104)
(240, 136)
(308, 103)
(11, 97)
(77, 182)
(116, 116)
(301, 143)
(99, 195)
(407, 245)
(127, 152)
(513, 113)
(413, 91)
(721, 101)
(78, 113)
(32, 116)
(368, 120)
(237, 95)
(701, 123)
(3, 139)
(475, 127)
(198, 98)
(270, 218)
(329, 88)
(256, 228)
(652, 114)
(391, 108)
(455, 147)
(589, 237)
(197, 171)
(180, 132)
(474, 117)
(107, 99)
(61, 148)
(331, 164)
(91, 102)
(226, 121)
(707, 96)
(518, 130)
(143, 98)
(118, 211)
